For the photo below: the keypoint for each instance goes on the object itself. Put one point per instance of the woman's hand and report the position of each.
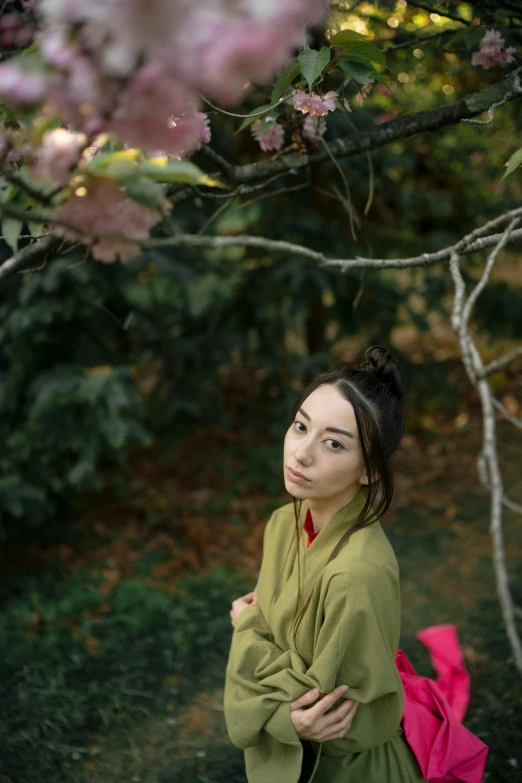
(241, 603)
(315, 723)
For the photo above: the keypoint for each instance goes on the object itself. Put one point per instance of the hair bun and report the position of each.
(385, 368)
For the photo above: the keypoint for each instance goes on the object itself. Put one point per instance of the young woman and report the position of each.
(323, 623)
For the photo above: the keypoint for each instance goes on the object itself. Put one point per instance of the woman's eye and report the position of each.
(298, 424)
(335, 444)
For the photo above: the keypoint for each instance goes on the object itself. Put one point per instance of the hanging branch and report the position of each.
(488, 464)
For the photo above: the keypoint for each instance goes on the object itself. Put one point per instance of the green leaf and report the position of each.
(171, 170)
(345, 36)
(356, 58)
(476, 35)
(284, 80)
(456, 40)
(365, 49)
(501, 13)
(8, 190)
(266, 122)
(35, 229)
(513, 163)
(145, 191)
(249, 120)
(380, 78)
(11, 228)
(120, 166)
(358, 71)
(313, 63)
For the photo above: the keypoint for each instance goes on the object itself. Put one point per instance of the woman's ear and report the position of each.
(364, 478)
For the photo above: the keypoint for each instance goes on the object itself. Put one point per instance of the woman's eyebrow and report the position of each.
(328, 429)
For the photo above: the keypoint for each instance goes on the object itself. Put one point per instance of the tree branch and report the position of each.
(488, 465)
(30, 256)
(359, 142)
(448, 14)
(471, 243)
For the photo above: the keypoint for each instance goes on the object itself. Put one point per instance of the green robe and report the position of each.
(349, 635)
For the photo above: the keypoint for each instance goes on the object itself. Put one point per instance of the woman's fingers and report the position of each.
(330, 698)
(347, 708)
(342, 726)
(310, 697)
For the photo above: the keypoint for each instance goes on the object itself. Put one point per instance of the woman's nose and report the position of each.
(303, 454)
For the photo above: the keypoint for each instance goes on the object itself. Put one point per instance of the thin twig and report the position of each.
(498, 364)
(431, 10)
(517, 90)
(512, 419)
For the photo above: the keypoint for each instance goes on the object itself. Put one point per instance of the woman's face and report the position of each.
(322, 444)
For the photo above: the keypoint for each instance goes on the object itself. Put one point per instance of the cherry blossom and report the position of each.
(103, 208)
(314, 104)
(491, 53)
(271, 138)
(58, 155)
(156, 111)
(22, 88)
(129, 66)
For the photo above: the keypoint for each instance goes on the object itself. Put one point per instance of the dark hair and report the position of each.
(375, 390)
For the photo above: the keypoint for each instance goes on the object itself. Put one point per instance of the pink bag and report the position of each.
(447, 752)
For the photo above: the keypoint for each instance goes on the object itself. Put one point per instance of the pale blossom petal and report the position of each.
(272, 138)
(58, 155)
(105, 209)
(22, 88)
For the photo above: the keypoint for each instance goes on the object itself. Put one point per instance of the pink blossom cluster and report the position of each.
(21, 88)
(271, 137)
(314, 128)
(491, 51)
(58, 155)
(129, 66)
(316, 105)
(104, 209)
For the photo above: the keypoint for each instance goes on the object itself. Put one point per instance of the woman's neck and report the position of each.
(323, 509)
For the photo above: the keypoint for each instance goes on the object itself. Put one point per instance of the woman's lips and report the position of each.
(295, 476)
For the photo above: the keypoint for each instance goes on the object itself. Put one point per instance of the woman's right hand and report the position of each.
(314, 724)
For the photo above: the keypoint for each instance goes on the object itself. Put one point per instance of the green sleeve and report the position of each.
(260, 677)
(351, 648)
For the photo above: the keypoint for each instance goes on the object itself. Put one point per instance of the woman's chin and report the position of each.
(295, 489)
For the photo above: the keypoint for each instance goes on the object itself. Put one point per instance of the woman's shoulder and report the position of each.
(367, 551)
(280, 520)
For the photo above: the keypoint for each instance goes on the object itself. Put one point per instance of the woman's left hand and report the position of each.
(241, 603)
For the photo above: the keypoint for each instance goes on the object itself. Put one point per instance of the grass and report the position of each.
(112, 670)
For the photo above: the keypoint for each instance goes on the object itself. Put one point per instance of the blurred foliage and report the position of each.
(96, 359)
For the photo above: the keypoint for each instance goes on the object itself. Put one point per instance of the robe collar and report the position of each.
(341, 521)
(315, 557)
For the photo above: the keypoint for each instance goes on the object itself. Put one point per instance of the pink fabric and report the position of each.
(446, 657)
(447, 752)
